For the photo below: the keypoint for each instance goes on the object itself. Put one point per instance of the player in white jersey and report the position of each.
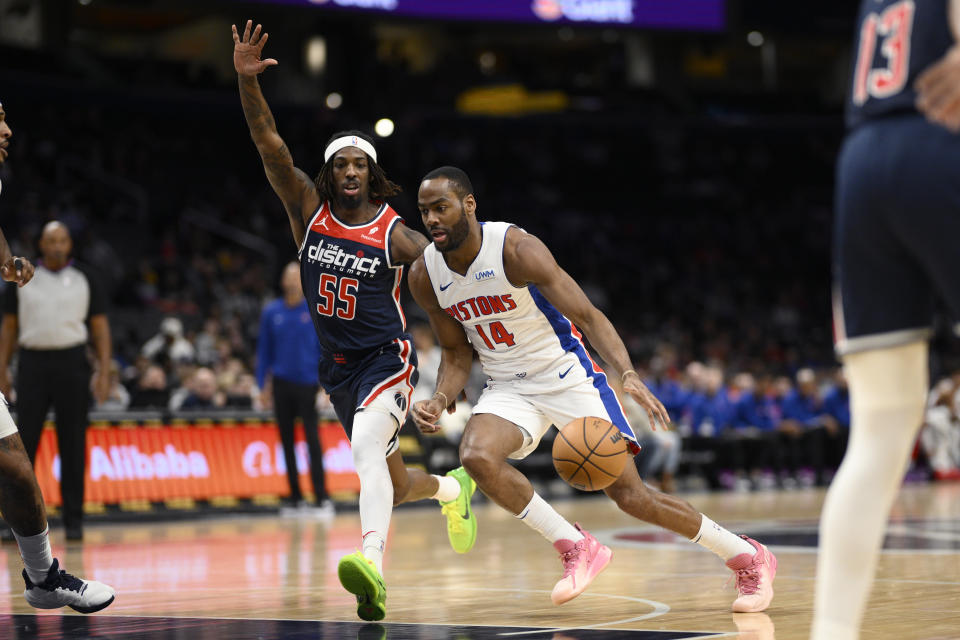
(493, 288)
(21, 503)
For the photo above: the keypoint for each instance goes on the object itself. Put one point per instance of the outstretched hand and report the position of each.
(247, 50)
(633, 385)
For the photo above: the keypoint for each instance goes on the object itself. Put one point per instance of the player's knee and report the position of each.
(477, 460)
(18, 474)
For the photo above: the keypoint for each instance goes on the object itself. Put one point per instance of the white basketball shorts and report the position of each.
(534, 413)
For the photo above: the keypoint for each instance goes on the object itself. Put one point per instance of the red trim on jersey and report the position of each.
(579, 336)
(404, 375)
(373, 233)
(396, 297)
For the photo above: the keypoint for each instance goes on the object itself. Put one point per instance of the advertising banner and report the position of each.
(195, 460)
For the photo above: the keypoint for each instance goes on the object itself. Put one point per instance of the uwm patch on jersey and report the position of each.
(351, 286)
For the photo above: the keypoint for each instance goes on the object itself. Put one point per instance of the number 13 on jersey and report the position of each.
(893, 28)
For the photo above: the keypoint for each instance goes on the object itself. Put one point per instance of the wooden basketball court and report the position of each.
(272, 577)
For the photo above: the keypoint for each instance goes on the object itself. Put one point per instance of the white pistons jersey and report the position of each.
(540, 372)
(517, 333)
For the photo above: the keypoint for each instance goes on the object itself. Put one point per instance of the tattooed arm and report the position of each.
(295, 188)
(406, 245)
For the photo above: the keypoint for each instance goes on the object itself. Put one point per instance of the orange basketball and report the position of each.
(589, 453)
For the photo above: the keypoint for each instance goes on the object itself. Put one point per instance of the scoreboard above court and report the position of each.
(700, 15)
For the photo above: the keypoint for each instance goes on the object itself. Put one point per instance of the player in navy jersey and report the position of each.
(352, 249)
(895, 251)
(492, 288)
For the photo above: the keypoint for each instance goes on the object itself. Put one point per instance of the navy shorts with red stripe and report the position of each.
(351, 382)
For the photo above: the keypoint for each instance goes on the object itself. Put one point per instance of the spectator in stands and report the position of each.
(203, 392)
(206, 342)
(710, 413)
(815, 430)
(51, 321)
(288, 357)
(836, 403)
(118, 398)
(169, 346)
(751, 439)
(151, 391)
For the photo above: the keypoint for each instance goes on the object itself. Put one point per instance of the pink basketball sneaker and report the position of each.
(582, 562)
(754, 576)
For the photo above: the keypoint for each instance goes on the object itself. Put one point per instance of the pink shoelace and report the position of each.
(569, 558)
(748, 579)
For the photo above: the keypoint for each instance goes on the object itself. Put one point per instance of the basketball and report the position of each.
(589, 453)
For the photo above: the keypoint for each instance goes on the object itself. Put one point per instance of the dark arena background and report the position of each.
(676, 156)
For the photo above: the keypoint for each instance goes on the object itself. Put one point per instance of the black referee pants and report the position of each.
(59, 378)
(292, 400)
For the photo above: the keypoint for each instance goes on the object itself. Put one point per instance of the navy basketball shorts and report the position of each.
(896, 233)
(382, 380)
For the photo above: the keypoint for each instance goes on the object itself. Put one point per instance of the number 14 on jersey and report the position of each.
(499, 334)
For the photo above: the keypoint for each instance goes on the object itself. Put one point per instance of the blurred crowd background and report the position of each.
(684, 178)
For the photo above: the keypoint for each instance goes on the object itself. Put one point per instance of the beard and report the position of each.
(457, 234)
(349, 202)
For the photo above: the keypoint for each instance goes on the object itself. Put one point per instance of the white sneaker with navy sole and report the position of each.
(60, 589)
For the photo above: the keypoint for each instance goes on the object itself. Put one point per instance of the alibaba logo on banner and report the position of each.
(194, 461)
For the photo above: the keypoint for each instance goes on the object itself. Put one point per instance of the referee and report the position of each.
(49, 322)
(289, 350)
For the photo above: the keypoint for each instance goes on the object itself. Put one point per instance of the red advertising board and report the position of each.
(194, 460)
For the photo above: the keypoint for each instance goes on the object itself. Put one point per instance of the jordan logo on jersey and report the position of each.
(481, 306)
(336, 259)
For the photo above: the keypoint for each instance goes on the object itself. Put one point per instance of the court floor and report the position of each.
(263, 577)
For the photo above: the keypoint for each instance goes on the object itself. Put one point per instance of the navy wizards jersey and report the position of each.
(896, 41)
(351, 287)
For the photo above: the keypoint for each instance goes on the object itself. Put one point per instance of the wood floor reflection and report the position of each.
(272, 568)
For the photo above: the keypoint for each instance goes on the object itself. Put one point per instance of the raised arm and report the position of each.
(456, 353)
(526, 260)
(294, 187)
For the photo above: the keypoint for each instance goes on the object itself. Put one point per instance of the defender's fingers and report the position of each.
(246, 30)
(236, 36)
(263, 40)
(256, 35)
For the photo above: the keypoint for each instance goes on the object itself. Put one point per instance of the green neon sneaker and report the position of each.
(461, 523)
(361, 578)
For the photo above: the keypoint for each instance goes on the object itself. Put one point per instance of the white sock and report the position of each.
(887, 395)
(372, 431)
(448, 490)
(723, 543)
(36, 554)
(374, 545)
(541, 517)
